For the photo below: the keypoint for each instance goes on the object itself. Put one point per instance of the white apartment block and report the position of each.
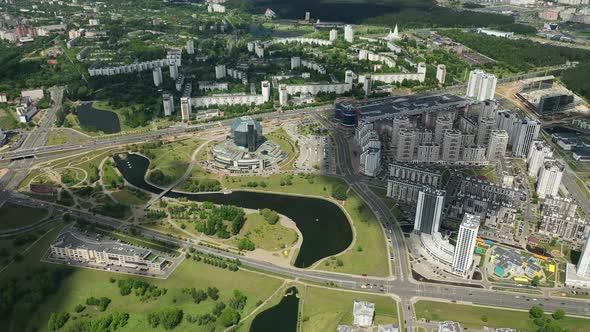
(463, 256)
(549, 178)
(405, 144)
(420, 76)
(283, 95)
(295, 62)
(537, 154)
(185, 108)
(525, 131)
(168, 103)
(157, 75)
(583, 268)
(220, 71)
(481, 86)
(349, 33)
(451, 146)
(442, 124)
(441, 73)
(315, 88)
(333, 34)
(190, 46)
(497, 145)
(484, 130)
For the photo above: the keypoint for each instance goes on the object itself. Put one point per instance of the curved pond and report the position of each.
(93, 119)
(324, 226)
(283, 314)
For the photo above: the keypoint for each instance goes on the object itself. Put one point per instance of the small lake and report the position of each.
(325, 228)
(282, 317)
(93, 119)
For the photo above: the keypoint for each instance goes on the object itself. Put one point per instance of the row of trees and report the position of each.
(142, 289)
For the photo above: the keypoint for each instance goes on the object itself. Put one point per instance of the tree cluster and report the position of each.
(169, 318)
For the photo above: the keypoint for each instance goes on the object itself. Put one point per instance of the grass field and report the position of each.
(83, 283)
(471, 316)
(369, 254)
(130, 197)
(372, 256)
(62, 137)
(173, 158)
(325, 309)
(283, 139)
(110, 178)
(14, 216)
(264, 235)
(302, 184)
(488, 172)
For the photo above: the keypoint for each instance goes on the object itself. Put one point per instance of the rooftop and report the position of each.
(75, 241)
(449, 326)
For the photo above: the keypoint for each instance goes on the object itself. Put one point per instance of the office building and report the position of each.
(524, 132)
(71, 246)
(185, 108)
(405, 144)
(497, 145)
(333, 34)
(481, 86)
(451, 146)
(349, 33)
(283, 95)
(449, 326)
(442, 124)
(247, 133)
(363, 313)
(537, 154)
(157, 74)
(549, 178)
(190, 46)
(429, 210)
(441, 73)
(367, 85)
(583, 267)
(465, 246)
(220, 71)
(168, 102)
(484, 129)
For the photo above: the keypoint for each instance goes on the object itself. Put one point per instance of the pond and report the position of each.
(324, 226)
(283, 314)
(93, 119)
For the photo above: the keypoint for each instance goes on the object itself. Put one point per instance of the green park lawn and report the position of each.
(283, 139)
(264, 235)
(110, 178)
(131, 197)
(173, 158)
(84, 283)
(471, 316)
(302, 184)
(368, 254)
(13, 216)
(371, 258)
(325, 309)
(488, 172)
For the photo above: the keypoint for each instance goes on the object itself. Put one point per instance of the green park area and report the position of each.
(368, 254)
(131, 196)
(488, 172)
(264, 235)
(289, 146)
(475, 317)
(325, 309)
(168, 161)
(15, 216)
(61, 137)
(68, 290)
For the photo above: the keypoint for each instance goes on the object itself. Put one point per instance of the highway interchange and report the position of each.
(401, 285)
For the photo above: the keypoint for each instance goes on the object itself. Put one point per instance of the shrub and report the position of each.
(57, 320)
(79, 308)
(229, 317)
